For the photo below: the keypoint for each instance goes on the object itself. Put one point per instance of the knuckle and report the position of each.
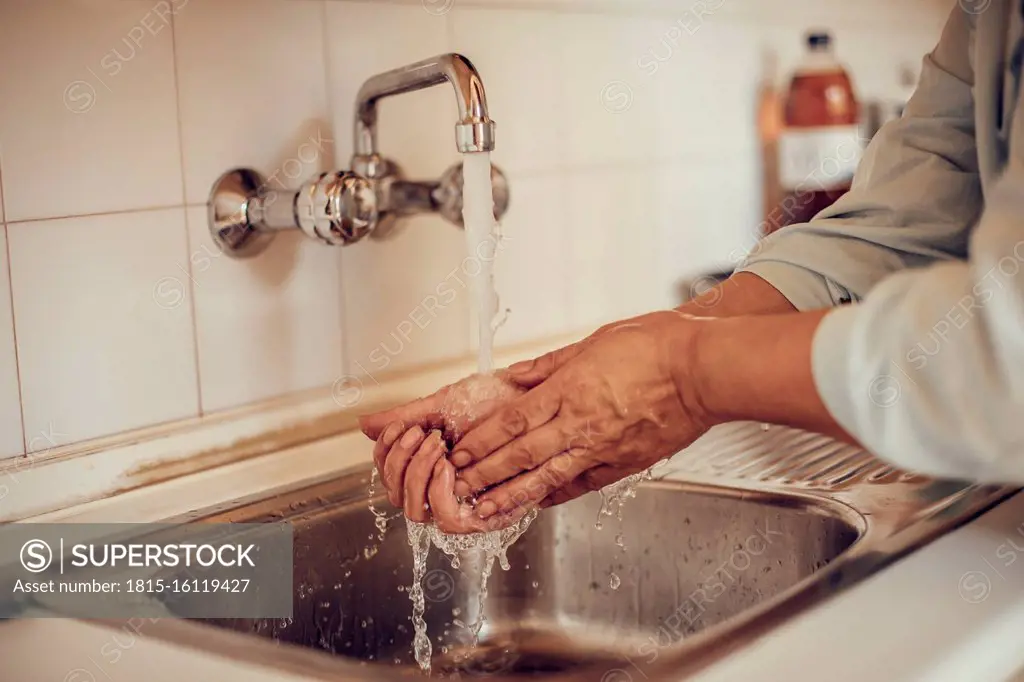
(515, 422)
(538, 488)
(561, 464)
(547, 362)
(472, 479)
(518, 498)
(522, 456)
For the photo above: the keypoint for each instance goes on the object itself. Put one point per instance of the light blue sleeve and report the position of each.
(928, 371)
(915, 197)
(926, 366)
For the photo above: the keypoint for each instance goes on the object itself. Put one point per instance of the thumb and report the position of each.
(529, 373)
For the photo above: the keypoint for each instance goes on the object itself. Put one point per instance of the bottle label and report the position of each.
(819, 159)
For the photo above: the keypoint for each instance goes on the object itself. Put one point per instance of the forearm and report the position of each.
(759, 368)
(742, 294)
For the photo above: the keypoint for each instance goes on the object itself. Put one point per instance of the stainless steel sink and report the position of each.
(756, 528)
(690, 553)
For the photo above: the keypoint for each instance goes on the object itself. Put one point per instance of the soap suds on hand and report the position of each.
(472, 400)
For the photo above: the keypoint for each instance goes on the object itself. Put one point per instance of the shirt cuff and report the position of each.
(830, 354)
(805, 289)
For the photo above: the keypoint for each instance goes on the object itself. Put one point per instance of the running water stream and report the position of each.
(482, 239)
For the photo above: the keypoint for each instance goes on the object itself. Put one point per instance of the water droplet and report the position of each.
(535, 584)
(614, 581)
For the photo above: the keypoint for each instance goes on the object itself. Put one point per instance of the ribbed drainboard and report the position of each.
(745, 451)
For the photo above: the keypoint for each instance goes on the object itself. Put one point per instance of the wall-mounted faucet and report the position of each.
(342, 207)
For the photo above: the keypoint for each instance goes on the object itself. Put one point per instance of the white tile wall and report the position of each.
(612, 264)
(531, 274)
(625, 127)
(264, 107)
(87, 114)
(104, 323)
(268, 326)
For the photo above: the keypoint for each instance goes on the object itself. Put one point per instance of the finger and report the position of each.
(397, 460)
(383, 444)
(518, 417)
(426, 412)
(591, 480)
(529, 373)
(454, 517)
(417, 477)
(522, 454)
(529, 489)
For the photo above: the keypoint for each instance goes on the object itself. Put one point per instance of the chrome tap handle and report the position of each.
(337, 208)
(398, 197)
(334, 208)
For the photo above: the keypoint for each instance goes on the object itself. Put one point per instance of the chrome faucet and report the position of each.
(342, 207)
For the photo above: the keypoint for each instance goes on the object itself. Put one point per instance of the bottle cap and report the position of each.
(818, 40)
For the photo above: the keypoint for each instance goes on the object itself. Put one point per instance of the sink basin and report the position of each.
(681, 559)
(754, 528)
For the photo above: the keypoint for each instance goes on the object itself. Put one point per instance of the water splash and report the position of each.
(491, 545)
(420, 543)
(380, 518)
(615, 495)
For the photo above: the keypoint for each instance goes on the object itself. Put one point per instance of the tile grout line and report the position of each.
(528, 174)
(10, 293)
(325, 32)
(14, 333)
(120, 211)
(193, 316)
(3, 200)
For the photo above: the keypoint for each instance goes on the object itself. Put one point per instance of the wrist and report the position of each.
(686, 349)
(759, 368)
(707, 369)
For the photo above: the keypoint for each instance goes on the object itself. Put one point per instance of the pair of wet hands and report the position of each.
(413, 455)
(545, 431)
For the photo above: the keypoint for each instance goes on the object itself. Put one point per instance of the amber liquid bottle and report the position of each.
(820, 144)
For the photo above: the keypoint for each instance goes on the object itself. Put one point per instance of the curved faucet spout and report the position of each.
(474, 131)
